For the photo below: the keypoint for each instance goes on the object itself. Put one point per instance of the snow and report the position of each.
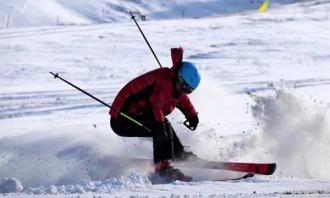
(263, 96)
(10, 185)
(304, 136)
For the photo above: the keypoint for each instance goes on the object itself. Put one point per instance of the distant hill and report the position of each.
(20, 13)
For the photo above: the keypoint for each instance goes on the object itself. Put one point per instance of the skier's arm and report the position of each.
(189, 111)
(157, 99)
(132, 88)
(186, 107)
(120, 101)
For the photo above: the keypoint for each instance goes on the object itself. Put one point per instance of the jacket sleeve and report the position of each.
(186, 107)
(130, 89)
(157, 99)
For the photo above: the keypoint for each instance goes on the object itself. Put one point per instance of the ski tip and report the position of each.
(271, 169)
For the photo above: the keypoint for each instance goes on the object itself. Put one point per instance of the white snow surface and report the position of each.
(263, 98)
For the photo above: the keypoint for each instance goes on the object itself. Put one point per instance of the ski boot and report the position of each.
(168, 173)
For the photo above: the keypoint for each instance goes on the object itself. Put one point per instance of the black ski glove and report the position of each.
(193, 122)
(159, 131)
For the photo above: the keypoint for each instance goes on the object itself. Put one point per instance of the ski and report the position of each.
(156, 179)
(245, 176)
(245, 167)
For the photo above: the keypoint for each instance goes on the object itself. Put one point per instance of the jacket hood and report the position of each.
(176, 54)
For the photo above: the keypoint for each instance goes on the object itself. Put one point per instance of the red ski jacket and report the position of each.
(154, 93)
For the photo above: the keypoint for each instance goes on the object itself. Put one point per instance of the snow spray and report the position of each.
(295, 133)
(222, 114)
(70, 156)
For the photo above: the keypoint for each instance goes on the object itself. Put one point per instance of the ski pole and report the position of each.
(133, 17)
(105, 104)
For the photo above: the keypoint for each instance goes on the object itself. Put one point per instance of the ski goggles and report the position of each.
(184, 86)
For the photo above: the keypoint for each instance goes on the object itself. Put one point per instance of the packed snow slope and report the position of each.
(263, 98)
(22, 13)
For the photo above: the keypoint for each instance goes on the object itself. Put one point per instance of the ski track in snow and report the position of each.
(37, 32)
(262, 74)
(23, 104)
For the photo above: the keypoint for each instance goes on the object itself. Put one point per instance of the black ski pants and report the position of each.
(162, 150)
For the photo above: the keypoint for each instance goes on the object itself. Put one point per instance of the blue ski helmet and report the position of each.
(189, 74)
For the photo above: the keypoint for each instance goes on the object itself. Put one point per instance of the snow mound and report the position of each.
(10, 185)
(132, 182)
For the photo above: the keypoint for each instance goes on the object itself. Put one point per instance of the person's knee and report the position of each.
(115, 126)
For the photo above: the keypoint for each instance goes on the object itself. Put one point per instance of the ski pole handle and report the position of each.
(187, 124)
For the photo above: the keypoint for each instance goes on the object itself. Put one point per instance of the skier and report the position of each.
(148, 99)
